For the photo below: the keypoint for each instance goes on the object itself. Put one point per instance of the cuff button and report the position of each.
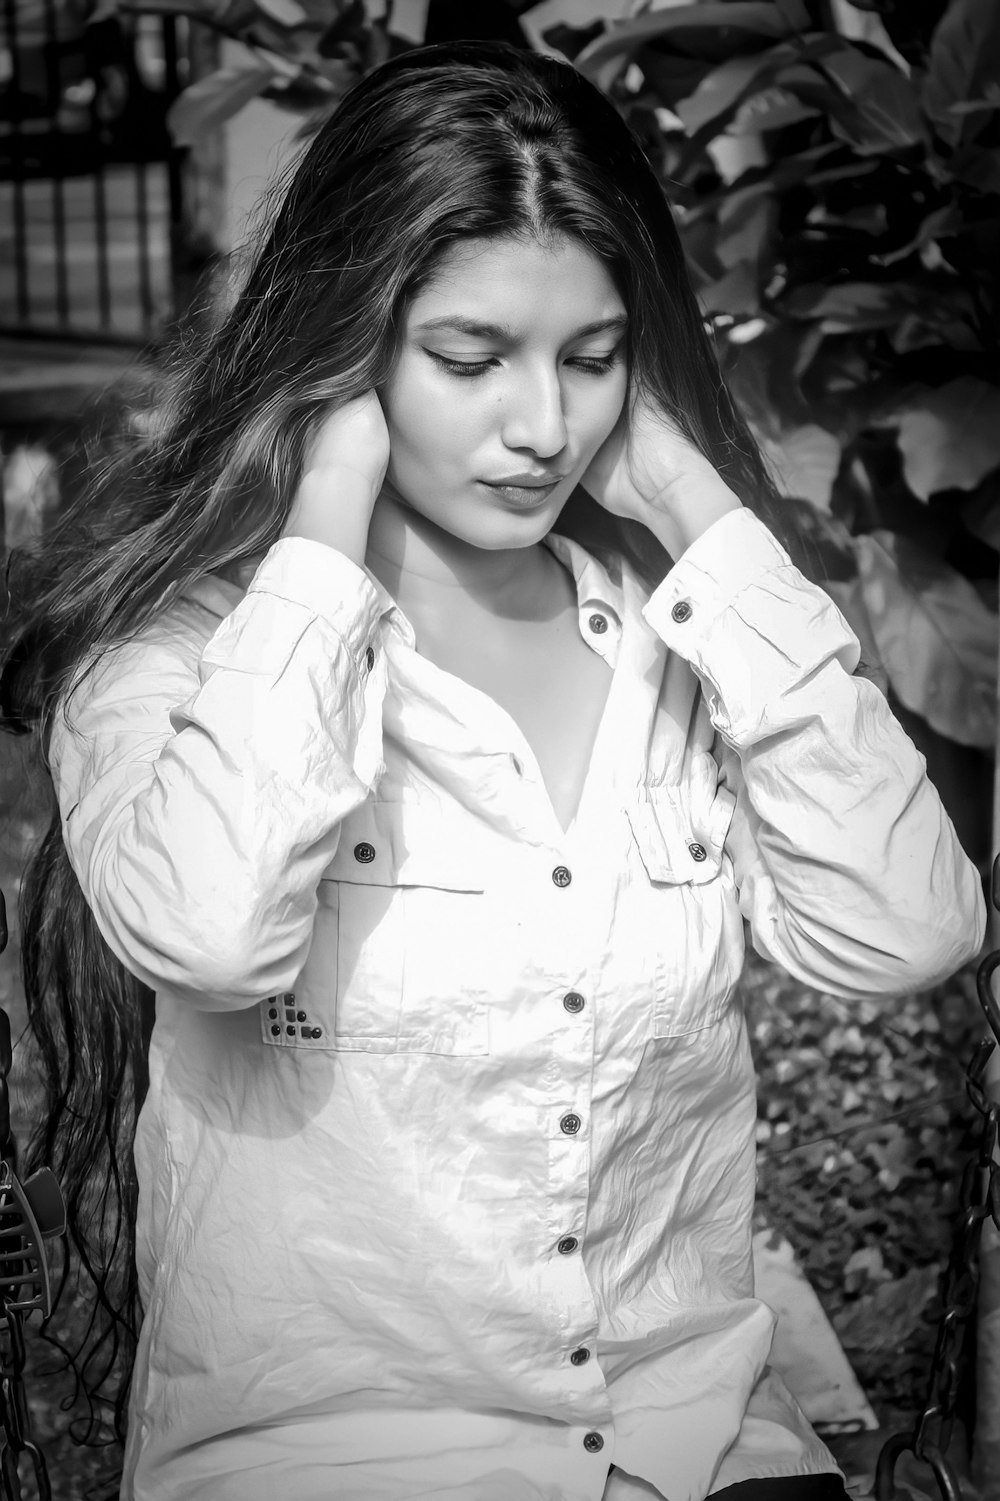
(681, 611)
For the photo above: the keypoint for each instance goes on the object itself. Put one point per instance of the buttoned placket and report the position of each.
(564, 865)
(568, 898)
(564, 870)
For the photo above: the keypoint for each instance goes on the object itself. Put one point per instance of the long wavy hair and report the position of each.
(439, 145)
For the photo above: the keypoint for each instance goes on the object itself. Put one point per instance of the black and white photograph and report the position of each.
(499, 805)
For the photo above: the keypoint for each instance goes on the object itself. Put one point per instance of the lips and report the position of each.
(518, 496)
(526, 481)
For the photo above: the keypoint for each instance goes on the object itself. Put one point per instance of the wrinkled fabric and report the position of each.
(441, 1094)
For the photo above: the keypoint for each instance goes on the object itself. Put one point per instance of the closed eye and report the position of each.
(464, 368)
(594, 364)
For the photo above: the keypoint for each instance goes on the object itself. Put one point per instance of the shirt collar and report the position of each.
(597, 592)
(595, 586)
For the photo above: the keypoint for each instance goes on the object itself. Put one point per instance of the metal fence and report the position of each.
(91, 186)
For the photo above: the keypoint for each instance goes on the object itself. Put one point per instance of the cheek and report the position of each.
(428, 426)
(606, 408)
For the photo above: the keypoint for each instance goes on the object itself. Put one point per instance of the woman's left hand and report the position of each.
(649, 471)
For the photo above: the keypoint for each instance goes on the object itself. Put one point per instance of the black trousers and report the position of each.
(785, 1488)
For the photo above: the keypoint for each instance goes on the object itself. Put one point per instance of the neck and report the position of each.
(417, 561)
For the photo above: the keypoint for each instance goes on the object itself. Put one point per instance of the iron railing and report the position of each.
(91, 186)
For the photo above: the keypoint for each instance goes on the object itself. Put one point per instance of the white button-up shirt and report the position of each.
(447, 1162)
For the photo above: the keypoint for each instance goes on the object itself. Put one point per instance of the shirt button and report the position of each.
(570, 1124)
(697, 851)
(369, 659)
(567, 1245)
(598, 624)
(579, 1357)
(573, 1001)
(562, 876)
(593, 1443)
(364, 853)
(681, 611)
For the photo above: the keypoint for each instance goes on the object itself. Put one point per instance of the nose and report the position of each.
(534, 414)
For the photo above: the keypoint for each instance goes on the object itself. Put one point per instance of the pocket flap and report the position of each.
(678, 844)
(396, 844)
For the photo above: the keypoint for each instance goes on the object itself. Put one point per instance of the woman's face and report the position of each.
(511, 373)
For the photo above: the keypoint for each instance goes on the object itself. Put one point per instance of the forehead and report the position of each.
(518, 282)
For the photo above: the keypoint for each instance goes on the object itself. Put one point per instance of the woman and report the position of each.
(428, 710)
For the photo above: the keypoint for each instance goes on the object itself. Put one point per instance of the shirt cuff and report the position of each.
(750, 624)
(329, 586)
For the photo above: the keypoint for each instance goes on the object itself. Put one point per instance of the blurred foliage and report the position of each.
(839, 203)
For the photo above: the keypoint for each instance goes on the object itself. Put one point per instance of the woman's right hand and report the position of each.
(342, 474)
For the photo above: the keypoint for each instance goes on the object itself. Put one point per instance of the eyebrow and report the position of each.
(501, 333)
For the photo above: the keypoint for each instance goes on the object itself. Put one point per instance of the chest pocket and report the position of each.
(399, 958)
(685, 906)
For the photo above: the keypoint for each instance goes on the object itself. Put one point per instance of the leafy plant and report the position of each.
(302, 55)
(839, 201)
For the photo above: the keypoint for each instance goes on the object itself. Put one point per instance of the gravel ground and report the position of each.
(863, 1130)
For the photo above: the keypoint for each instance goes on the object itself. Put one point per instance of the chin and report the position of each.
(511, 532)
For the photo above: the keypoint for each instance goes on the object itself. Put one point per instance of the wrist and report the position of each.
(685, 509)
(335, 508)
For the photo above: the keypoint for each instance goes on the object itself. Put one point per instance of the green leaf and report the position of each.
(987, 104)
(716, 26)
(939, 222)
(849, 305)
(964, 61)
(746, 229)
(769, 110)
(718, 91)
(935, 637)
(723, 93)
(981, 513)
(949, 438)
(214, 99)
(737, 292)
(346, 25)
(285, 12)
(879, 110)
(805, 462)
(978, 167)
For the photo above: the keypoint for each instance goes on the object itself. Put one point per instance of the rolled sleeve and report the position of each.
(847, 867)
(202, 782)
(751, 626)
